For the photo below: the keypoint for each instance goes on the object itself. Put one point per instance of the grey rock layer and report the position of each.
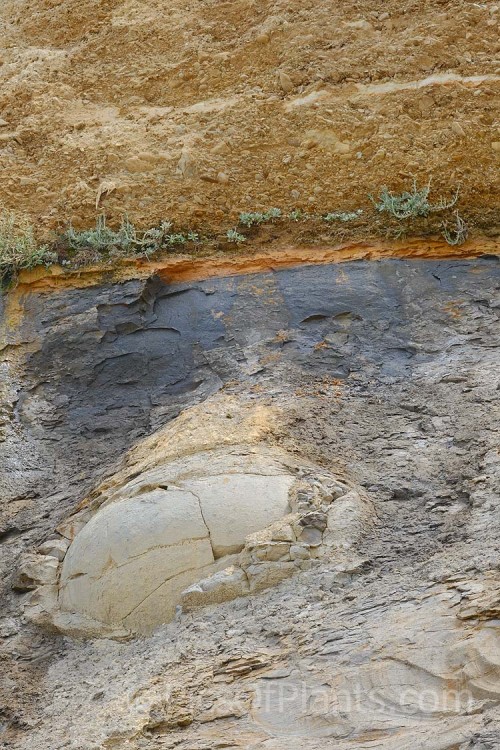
(387, 375)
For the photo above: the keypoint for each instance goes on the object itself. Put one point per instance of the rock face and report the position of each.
(253, 510)
(133, 558)
(166, 522)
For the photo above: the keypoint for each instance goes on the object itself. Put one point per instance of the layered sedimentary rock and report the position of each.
(355, 605)
(176, 528)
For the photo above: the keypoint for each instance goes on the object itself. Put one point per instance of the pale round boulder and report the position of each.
(162, 532)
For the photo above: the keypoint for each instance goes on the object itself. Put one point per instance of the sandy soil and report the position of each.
(198, 110)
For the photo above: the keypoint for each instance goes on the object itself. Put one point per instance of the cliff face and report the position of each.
(250, 499)
(197, 110)
(356, 604)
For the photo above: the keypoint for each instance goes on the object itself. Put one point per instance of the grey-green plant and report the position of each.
(233, 235)
(412, 203)
(149, 242)
(126, 239)
(19, 248)
(99, 237)
(297, 215)
(456, 233)
(177, 238)
(343, 215)
(249, 219)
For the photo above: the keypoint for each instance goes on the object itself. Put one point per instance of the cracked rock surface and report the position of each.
(133, 558)
(384, 377)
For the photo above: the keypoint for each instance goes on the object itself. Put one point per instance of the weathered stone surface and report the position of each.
(267, 574)
(167, 521)
(223, 586)
(132, 559)
(384, 377)
(55, 548)
(36, 569)
(235, 506)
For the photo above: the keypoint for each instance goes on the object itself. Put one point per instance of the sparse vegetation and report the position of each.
(75, 248)
(19, 248)
(233, 235)
(297, 215)
(176, 238)
(125, 240)
(100, 238)
(457, 233)
(410, 204)
(257, 217)
(343, 215)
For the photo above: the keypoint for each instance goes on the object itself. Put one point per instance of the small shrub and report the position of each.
(257, 217)
(457, 233)
(125, 240)
(19, 248)
(179, 238)
(176, 239)
(99, 238)
(343, 215)
(233, 235)
(148, 242)
(297, 215)
(249, 219)
(414, 203)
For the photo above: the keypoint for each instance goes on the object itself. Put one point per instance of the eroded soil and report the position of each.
(197, 111)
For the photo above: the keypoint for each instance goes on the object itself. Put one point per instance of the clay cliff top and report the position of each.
(196, 111)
